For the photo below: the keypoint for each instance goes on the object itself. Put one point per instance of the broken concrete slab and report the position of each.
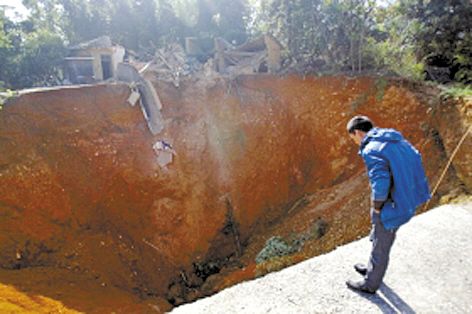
(262, 54)
(171, 64)
(99, 42)
(149, 99)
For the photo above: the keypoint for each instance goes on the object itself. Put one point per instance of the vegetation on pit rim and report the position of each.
(456, 91)
(277, 247)
(5, 96)
(380, 86)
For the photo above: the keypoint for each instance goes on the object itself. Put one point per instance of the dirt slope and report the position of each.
(82, 195)
(422, 277)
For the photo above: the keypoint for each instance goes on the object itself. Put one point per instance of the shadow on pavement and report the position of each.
(396, 300)
(389, 301)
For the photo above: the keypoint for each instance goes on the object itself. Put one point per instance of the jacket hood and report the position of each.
(381, 135)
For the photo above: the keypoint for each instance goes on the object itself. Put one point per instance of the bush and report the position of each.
(456, 91)
(275, 247)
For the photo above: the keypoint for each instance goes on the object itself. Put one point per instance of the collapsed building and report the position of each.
(93, 61)
(99, 60)
(261, 55)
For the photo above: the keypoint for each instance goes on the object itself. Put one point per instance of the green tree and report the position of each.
(320, 32)
(392, 44)
(223, 18)
(40, 60)
(4, 42)
(444, 34)
(4, 45)
(171, 27)
(31, 53)
(232, 17)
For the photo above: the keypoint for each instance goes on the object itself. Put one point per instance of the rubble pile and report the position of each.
(171, 63)
(260, 55)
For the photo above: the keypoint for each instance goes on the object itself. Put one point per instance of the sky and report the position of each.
(16, 7)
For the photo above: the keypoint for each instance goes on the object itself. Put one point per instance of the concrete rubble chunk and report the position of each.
(262, 54)
(164, 152)
(170, 64)
(99, 42)
(149, 99)
(133, 97)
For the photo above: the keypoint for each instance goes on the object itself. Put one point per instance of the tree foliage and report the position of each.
(444, 35)
(406, 37)
(336, 35)
(30, 55)
(318, 32)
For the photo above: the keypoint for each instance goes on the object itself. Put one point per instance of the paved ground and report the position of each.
(430, 272)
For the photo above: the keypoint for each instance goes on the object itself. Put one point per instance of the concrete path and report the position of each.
(430, 272)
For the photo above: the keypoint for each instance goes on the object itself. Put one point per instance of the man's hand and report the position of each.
(377, 205)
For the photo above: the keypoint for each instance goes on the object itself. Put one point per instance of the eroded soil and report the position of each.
(90, 221)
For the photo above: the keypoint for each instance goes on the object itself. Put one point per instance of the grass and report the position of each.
(279, 253)
(5, 95)
(380, 86)
(456, 91)
(276, 247)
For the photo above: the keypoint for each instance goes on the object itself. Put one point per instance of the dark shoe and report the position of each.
(358, 286)
(361, 269)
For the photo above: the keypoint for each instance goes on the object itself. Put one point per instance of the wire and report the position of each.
(448, 165)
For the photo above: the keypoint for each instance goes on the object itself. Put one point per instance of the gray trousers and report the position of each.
(382, 241)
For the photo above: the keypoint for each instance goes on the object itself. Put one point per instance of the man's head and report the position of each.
(357, 128)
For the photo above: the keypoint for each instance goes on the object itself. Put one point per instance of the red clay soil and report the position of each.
(90, 222)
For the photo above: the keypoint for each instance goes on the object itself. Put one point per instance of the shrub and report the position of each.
(275, 247)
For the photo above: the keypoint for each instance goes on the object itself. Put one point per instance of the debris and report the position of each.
(170, 64)
(201, 48)
(262, 54)
(99, 42)
(134, 96)
(149, 100)
(164, 152)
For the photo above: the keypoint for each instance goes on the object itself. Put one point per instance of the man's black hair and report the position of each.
(361, 123)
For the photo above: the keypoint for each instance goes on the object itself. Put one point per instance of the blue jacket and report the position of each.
(396, 175)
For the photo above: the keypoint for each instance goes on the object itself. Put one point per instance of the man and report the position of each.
(398, 184)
